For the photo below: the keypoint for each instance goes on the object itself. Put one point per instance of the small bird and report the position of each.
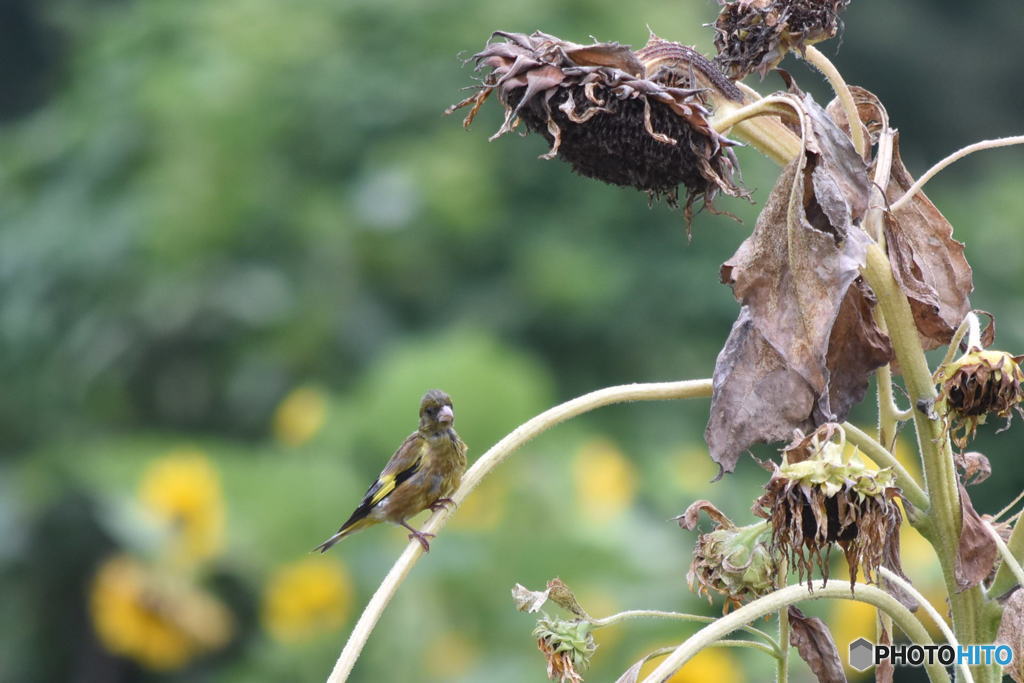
(423, 472)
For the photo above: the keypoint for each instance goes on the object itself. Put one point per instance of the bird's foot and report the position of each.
(419, 536)
(442, 504)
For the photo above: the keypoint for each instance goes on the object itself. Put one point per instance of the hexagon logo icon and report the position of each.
(862, 654)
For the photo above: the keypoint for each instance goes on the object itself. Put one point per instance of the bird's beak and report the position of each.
(446, 415)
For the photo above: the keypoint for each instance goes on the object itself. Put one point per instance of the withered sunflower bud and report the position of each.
(820, 502)
(734, 562)
(635, 119)
(976, 384)
(567, 646)
(729, 560)
(754, 35)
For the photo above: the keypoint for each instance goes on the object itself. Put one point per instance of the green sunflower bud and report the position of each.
(567, 646)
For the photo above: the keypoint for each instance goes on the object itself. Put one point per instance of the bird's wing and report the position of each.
(403, 464)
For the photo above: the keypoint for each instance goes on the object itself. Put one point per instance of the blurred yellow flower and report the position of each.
(306, 598)
(160, 621)
(300, 416)
(182, 489)
(450, 655)
(710, 664)
(605, 480)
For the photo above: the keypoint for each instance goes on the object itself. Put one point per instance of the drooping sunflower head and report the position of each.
(819, 502)
(636, 119)
(754, 35)
(979, 383)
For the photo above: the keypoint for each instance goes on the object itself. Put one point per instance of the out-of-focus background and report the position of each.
(238, 241)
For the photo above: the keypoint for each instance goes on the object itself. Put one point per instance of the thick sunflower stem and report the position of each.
(944, 515)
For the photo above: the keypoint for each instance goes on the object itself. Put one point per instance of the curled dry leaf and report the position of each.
(927, 263)
(975, 466)
(561, 595)
(977, 553)
(688, 520)
(1011, 632)
(885, 670)
(527, 600)
(812, 639)
(804, 344)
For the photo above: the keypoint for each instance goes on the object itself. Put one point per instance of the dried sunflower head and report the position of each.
(818, 502)
(730, 560)
(567, 646)
(636, 119)
(976, 384)
(754, 35)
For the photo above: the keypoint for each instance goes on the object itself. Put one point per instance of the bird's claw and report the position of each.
(441, 504)
(422, 538)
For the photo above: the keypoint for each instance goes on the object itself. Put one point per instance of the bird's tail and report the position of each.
(347, 529)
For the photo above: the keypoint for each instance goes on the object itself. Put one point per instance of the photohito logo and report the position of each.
(864, 654)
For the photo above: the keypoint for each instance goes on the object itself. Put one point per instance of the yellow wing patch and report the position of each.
(387, 485)
(388, 481)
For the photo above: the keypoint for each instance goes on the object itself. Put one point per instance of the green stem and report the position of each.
(679, 616)
(790, 595)
(944, 516)
(782, 670)
(835, 79)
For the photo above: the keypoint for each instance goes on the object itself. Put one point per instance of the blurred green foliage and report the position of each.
(206, 205)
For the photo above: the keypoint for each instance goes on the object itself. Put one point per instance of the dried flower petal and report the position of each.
(567, 646)
(612, 115)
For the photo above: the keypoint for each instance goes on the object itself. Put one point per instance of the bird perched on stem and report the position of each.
(422, 474)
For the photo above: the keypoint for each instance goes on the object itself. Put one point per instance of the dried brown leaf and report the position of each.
(977, 553)
(928, 264)
(1011, 632)
(856, 348)
(885, 670)
(976, 467)
(561, 595)
(812, 639)
(793, 276)
(688, 520)
(527, 600)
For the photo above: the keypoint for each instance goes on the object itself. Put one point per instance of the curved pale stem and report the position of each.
(790, 595)
(822, 63)
(955, 156)
(481, 468)
(1008, 559)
